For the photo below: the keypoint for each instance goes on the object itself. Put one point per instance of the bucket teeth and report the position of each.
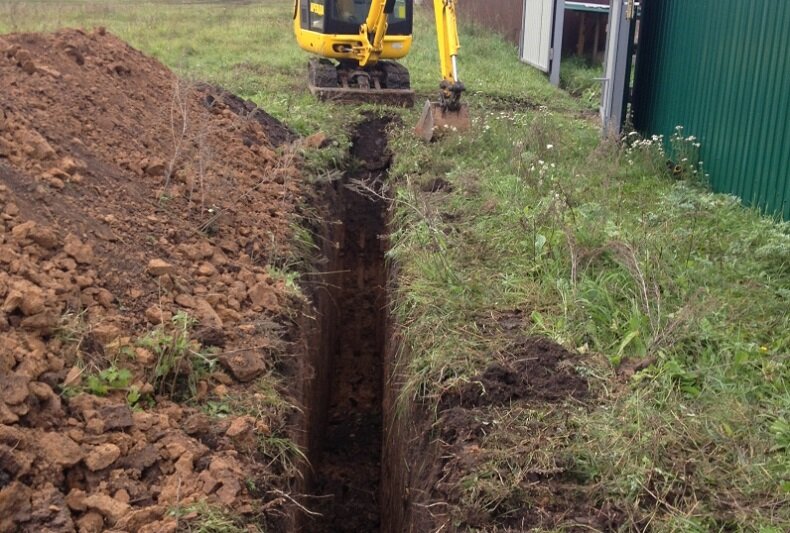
(436, 119)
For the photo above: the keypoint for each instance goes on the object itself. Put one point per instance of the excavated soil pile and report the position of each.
(130, 200)
(539, 370)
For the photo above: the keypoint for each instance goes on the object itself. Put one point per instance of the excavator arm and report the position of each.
(372, 32)
(449, 45)
(374, 29)
(448, 112)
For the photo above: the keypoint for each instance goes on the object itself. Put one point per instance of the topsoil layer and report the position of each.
(128, 196)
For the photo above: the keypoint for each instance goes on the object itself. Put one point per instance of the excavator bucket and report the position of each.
(436, 119)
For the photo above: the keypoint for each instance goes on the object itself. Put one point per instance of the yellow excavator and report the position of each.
(357, 42)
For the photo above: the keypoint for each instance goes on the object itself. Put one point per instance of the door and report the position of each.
(535, 47)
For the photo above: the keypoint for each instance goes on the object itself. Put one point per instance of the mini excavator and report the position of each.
(357, 42)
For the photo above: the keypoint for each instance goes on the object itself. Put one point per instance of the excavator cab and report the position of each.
(336, 13)
(350, 66)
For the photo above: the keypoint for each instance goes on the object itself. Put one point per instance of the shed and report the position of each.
(553, 29)
(721, 69)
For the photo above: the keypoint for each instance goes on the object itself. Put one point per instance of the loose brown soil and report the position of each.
(127, 196)
(534, 369)
(348, 463)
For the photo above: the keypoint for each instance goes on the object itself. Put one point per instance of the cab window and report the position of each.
(355, 11)
(316, 14)
(399, 13)
(304, 13)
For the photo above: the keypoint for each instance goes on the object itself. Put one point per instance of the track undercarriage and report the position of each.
(386, 82)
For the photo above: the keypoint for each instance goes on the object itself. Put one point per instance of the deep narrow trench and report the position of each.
(346, 450)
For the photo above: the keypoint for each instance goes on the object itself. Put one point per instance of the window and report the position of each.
(304, 13)
(316, 14)
(399, 12)
(344, 17)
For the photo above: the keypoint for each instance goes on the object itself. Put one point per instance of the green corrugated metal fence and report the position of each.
(721, 68)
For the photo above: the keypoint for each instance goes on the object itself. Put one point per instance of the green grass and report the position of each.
(204, 518)
(582, 79)
(181, 362)
(602, 249)
(249, 49)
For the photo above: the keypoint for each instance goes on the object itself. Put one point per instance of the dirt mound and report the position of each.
(531, 374)
(535, 369)
(138, 214)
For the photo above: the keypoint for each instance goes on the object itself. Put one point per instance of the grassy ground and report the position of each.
(610, 256)
(581, 78)
(598, 244)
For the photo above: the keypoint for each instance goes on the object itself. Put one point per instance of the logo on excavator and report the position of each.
(318, 9)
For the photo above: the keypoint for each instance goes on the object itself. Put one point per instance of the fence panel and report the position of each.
(503, 16)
